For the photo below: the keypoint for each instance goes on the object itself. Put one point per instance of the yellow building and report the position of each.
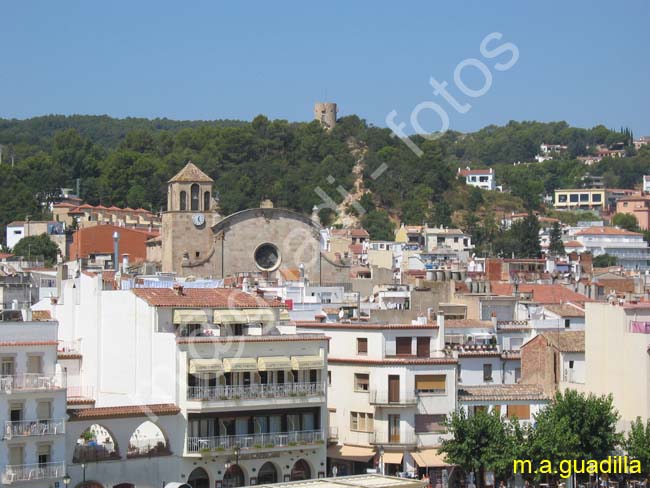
(584, 198)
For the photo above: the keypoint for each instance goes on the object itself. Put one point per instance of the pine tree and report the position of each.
(555, 245)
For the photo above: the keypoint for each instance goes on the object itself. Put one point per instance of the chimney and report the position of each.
(178, 288)
(440, 320)
(125, 263)
(116, 250)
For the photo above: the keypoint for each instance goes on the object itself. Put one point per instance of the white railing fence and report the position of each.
(254, 391)
(25, 428)
(254, 441)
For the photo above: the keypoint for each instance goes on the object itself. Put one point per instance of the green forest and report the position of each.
(127, 162)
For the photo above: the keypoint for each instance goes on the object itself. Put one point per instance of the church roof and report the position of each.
(191, 172)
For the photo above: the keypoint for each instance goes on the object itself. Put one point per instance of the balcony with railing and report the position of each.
(29, 472)
(254, 391)
(332, 433)
(29, 381)
(72, 347)
(399, 438)
(28, 428)
(275, 440)
(393, 399)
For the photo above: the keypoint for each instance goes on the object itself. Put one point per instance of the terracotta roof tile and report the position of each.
(231, 339)
(203, 298)
(566, 341)
(468, 324)
(606, 231)
(393, 361)
(357, 326)
(124, 411)
(565, 310)
(99, 240)
(28, 343)
(512, 392)
(544, 294)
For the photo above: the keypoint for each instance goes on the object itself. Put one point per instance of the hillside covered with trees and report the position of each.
(127, 162)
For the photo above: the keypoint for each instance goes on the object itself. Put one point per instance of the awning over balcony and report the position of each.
(274, 363)
(230, 316)
(306, 362)
(206, 366)
(256, 315)
(429, 458)
(357, 454)
(393, 457)
(190, 316)
(239, 364)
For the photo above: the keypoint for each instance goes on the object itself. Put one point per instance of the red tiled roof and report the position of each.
(124, 411)
(565, 310)
(465, 172)
(573, 244)
(290, 274)
(5, 255)
(99, 240)
(356, 248)
(191, 173)
(606, 231)
(541, 293)
(514, 392)
(203, 298)
(28, 343)
(230, 339)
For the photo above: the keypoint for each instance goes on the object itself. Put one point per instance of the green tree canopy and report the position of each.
(604, 261)
(37, 247)
(555, 244)
(626, 221)
(637, 444)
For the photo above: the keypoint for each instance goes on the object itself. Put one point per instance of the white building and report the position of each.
(444, 238)
(629, 248)
(32, 405)
(199, 385)
(391, 387)
(552, 148)
(646, 183)
(485, 179)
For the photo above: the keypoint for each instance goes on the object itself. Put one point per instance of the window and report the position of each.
(487, 372)
(430, 383)
(361, 421)
(403, 345)
(34, 364)
(329, 378)
(183, 203)
(573, 198)
(561, 198)
(570, 364)
(267, 257)
(7, 367)
(197, 254)
(430, 423)
(567, 323)
(423, 347)
(44, 453)
(596, 198)
(517, 374)
(361, 381)
(362, 345)
(515, 343)
(194, 197)
(522, 412)
(584, 197)
(206, 201)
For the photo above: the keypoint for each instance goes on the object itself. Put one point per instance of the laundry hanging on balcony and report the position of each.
(239, 364)
(206, 366)
(307, 362)
(274, 363)
(190, 316)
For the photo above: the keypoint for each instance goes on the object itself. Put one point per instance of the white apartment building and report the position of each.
(206, 386)
(390, 389)
(436, 238)
(628, 247)
(617, 342)
(32, 405)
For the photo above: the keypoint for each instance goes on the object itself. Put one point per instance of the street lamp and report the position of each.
(381, 459)
(237, 450)
(66, 480)
(83, 467)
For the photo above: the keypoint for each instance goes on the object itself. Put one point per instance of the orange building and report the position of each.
(639, 206)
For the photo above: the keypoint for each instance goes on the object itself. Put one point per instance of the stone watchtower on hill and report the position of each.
(326, 112)
(187, 239)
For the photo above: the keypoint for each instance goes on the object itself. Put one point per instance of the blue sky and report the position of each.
(581, 61)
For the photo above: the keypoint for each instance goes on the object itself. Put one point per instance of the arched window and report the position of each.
(198, 479)
(267, 474)
(194, 197)
(234, 477)
(146, 441)
(300, 471)
(206, 201)
(183, 200)
(95, 444)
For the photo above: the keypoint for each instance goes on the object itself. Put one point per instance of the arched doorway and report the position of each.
(267, 474)
(234, 477)
(199, 479)
(95, 444)
(146, 441)
(300, 471)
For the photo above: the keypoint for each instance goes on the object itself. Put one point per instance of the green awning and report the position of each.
(190, 316)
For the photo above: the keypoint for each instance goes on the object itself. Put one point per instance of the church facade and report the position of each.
(197, 241)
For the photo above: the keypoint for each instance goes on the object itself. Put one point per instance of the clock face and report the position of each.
(198, 219)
